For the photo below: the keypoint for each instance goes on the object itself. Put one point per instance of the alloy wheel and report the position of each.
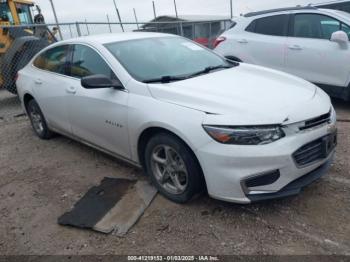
(169, 169)
(37, 119)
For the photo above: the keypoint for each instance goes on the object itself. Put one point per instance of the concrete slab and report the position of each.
(128, 210)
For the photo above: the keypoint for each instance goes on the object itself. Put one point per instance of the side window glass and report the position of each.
(5, 13)
(315, 26)
(273, 25)
(53, 60)
(251, 27)
(346, 29)
(24, 14)
(329, 26)
(87, 61)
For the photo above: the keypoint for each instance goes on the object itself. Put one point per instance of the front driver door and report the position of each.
(98, 116)
(312, 56)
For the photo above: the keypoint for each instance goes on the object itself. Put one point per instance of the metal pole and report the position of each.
(137, 22)
(176, 9)
(70, 30)
(181, 29)
(231, 8)
(55, 15)
(120, 20)
(210, 36)
(193, 31)
(154, 10)
(87, 27)
(109, 24)
(78, 28)
(155, 15)
(177, 16)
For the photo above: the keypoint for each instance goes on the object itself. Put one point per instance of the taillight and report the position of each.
(219, 40)
(16, 77)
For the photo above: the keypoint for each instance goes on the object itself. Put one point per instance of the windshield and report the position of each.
(170, 57)
(5, 13)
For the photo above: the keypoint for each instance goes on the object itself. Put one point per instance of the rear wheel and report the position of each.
(173, 168)
(38, 121)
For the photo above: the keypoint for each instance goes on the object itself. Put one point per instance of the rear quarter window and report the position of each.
(232, 25)
(276, 25)
(53, 60)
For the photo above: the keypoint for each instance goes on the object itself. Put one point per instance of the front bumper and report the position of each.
(226, 166)
(295, 187)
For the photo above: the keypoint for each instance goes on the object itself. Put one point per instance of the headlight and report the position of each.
(333, 115)
(245, 135)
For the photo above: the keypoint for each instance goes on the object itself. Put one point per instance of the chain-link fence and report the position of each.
(18, 44)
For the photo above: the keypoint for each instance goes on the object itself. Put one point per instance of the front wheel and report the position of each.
(173, 168)
(38, 121)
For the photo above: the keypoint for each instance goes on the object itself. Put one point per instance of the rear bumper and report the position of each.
(295, 187)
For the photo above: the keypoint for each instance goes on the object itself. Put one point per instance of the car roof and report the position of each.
(115, 37)
(344, 15)
(310, 9)
(331, 3)
(270, 11)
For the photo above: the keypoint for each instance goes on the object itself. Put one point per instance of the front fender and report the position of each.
(148, 113)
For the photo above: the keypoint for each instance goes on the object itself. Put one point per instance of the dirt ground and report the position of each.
(41, 180)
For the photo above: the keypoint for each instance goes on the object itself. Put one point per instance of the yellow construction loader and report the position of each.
(22, 35)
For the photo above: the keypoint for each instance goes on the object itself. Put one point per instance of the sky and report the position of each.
(97, 10)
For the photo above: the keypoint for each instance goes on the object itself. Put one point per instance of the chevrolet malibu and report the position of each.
(193, 120)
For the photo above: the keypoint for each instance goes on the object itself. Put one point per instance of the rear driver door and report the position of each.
(50, 82)
(264, 41)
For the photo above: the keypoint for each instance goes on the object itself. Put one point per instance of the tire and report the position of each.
(20, 59)
(177, 174)
(38, 121)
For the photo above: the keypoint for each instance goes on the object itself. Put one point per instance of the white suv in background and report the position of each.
(308, 42)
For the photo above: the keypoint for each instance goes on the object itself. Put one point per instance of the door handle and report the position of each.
(71, 90)
(38, 81)
(242, 41)
(295, 47)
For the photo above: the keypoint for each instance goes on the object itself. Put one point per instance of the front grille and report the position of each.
(316, 150)
(317, 121)
(309, 153)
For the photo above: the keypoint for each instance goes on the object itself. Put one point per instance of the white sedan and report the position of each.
(193, 120)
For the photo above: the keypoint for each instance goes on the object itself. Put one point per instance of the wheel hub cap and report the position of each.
(36, 120)
(169, 169)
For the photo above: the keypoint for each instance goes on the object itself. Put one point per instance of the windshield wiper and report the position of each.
(164, 79)
(168, 79)
(208, 69)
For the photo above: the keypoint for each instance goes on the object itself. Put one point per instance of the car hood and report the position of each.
(247, 94)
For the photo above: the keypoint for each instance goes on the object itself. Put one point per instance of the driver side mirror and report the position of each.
(100, 81)
(340, 37)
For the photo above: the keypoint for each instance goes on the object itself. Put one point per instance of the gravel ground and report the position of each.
(40, 180)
